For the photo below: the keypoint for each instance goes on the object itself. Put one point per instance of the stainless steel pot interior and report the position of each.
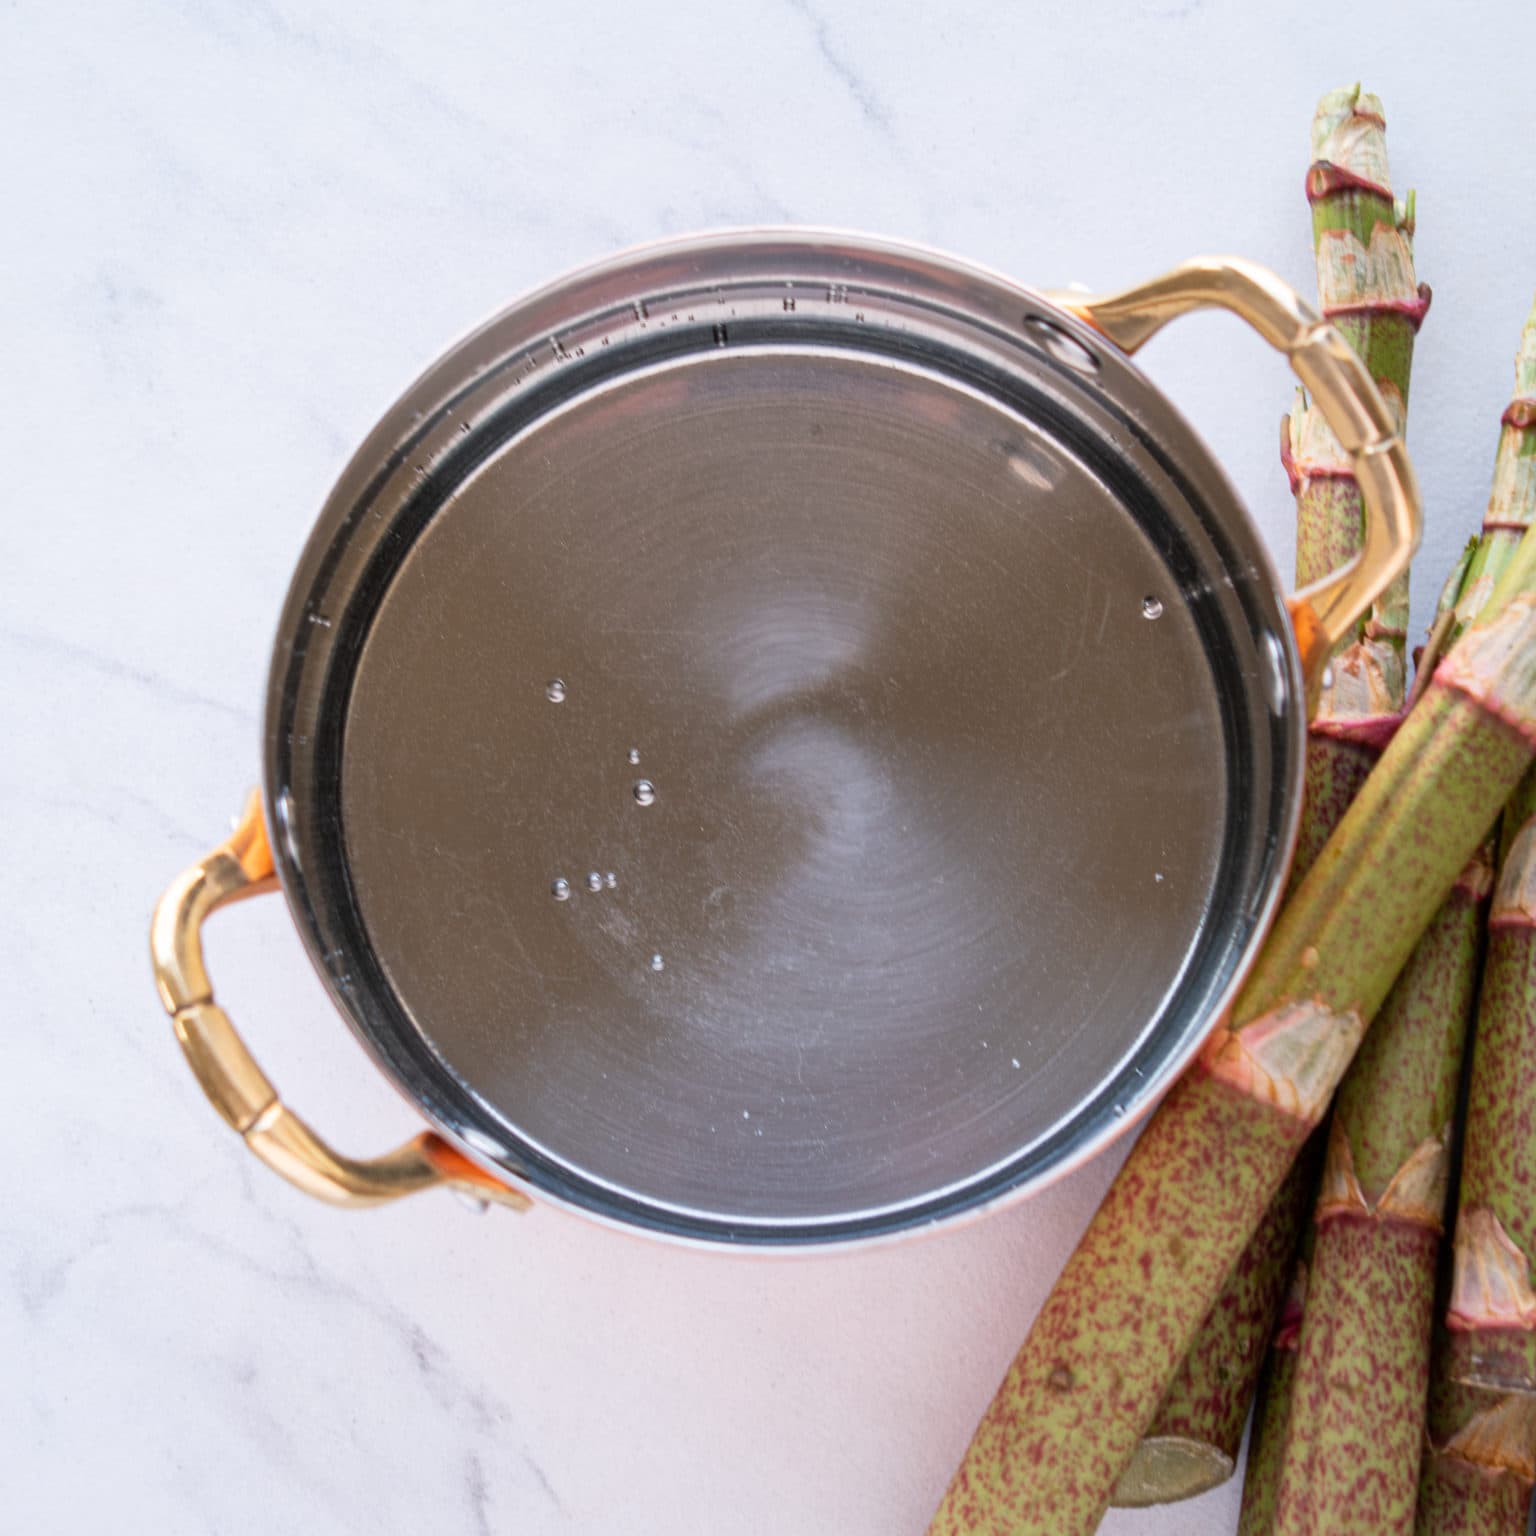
(782, 737)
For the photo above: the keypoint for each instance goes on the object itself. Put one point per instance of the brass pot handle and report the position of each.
(237, 1086)
(1325, 613)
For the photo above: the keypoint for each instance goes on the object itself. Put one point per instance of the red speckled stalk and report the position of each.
(1272, 1406)
(1123, 1314)
(1350, 1459)
(1498, 1173)
(1470, 1484)
(1512, 500)
(1192, 1443)
(1367, 286)
(1482, 1429)
(1350, 1462)
(1481, 1459)
(1341, 1471)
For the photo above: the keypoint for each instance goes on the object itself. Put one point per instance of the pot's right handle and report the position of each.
(229, 1074)
(1325, 613)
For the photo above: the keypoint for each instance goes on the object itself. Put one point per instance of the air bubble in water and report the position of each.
(610, 879)
(554, 690)
(594, 881)
(561, 889)
(657, 963)
(634, 756)
(1151, 607)
(645, 792)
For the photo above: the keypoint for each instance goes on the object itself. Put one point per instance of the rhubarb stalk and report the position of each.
(1125, 1310)
(1192, 1442)
(1480, 1463)
(1350, 1462)
(1272, 1405)
(1352, 1444)
(1367, 287)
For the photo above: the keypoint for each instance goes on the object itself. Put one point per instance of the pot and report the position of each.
(782, 738)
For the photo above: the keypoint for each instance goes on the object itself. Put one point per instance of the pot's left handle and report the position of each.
(237, 1086)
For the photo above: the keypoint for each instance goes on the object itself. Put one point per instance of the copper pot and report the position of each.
(782, 737)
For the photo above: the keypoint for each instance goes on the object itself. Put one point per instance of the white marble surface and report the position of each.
(231, 233)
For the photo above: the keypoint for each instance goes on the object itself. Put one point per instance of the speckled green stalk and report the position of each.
(1499, 1152)
(1070, 1411)
(1481, 1457)
(1400, 1091)
(1272, 1405)
(1367, 286)
(1444, 628)
(1335, 1474)
(1123, 1314)
(1350, 1459)
(1193, 1440)
(1498, 1171)
(1512, 501)
(1467, 1487)
(1336, 770)
(1480, 1460)
(1456, 940)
